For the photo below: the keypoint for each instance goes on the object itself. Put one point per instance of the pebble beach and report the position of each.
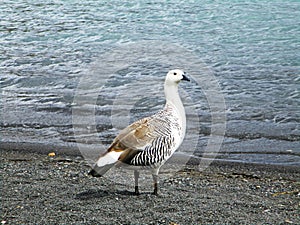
(55, 189)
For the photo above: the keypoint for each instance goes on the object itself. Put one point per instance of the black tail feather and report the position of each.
(100, 171)
(94, 173)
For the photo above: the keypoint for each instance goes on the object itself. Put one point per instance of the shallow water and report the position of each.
(252, 48)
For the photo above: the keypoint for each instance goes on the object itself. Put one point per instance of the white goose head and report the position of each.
(175, 76)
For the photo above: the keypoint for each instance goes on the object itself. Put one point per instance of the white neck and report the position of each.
(173, 100)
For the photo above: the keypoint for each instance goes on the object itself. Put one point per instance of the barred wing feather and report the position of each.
(145, 142)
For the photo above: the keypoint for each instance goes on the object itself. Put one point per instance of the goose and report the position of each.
(149, 142)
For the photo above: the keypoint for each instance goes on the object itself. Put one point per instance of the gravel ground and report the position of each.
(39, 189)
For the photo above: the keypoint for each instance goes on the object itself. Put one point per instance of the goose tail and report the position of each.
(100, 171)
(104, 163)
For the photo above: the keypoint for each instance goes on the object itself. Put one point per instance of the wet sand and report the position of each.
(39, 189)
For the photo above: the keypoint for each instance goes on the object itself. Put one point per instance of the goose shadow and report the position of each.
(92, 194)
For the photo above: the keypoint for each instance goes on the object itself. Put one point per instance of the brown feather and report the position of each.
(128, 155)
(132, 139)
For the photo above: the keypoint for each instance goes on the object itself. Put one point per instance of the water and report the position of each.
(252, 47)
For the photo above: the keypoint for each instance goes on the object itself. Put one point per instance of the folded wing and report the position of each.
(140, 144)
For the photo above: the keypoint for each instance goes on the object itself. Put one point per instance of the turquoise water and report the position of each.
(252, 47)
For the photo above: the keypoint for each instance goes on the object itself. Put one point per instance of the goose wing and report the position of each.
(140, 137)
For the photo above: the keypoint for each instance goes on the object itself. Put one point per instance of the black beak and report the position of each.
(184, 77)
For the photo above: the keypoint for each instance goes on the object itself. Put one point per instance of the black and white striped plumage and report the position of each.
(149, 142)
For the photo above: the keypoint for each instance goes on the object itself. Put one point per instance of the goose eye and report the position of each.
(174, 73)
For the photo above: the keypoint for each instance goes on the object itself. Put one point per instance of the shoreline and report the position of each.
(39, 189)
(72, 150)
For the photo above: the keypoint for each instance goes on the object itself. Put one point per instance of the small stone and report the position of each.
(51, 154)
(266, 210)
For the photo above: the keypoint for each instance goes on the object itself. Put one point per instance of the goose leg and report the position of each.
(136, 181)
(155, 182)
